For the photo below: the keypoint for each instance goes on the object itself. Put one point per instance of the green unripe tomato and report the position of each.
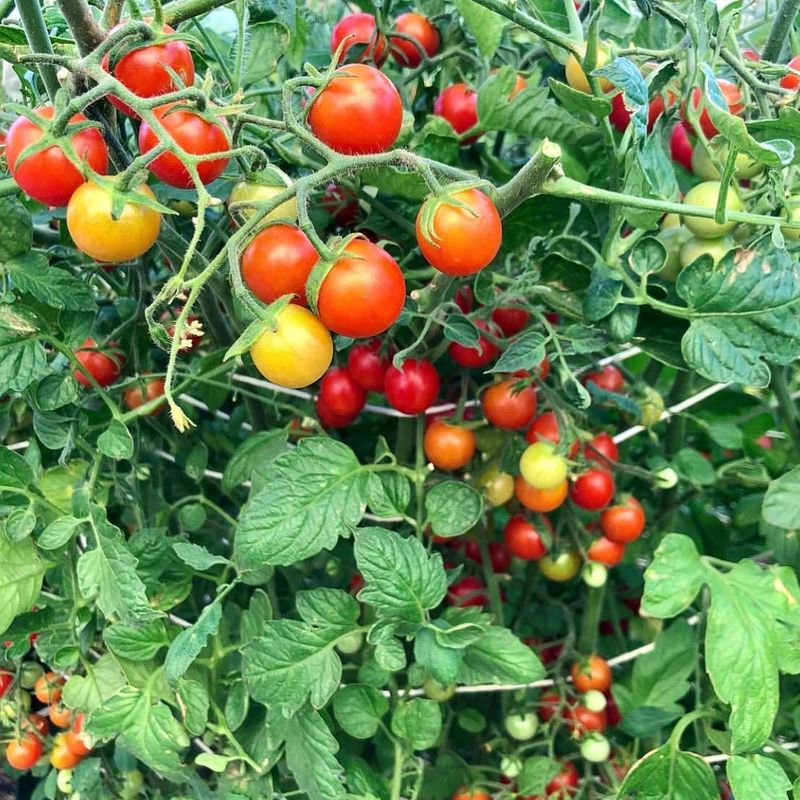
(793, 204)
(594, 574)
(497, 486)
(693, 248)
(29, 673)
(594, 700)
(666, 478)
(511, 766)
(542, 467)
(560, 567)
(64, 780)
(595, 748)
(673, 239)
(651, 405)
(351, 643)
(704, 167)
(264, 185)
(705, 195)
(132, 782)
(521, 726)
(438, 691)
(670, 221)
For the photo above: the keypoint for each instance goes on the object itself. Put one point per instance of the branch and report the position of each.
(182, 10)
(30, 12)
(79, 17)
(528, 181)
(787, 11)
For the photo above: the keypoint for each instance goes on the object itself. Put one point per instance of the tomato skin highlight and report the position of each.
(592, 673)
(475, 357)
(362, 36)
(297, 353)
(593, 490)
(406, 53)
(278, 261)
(540, 500)
(24, 752)
(359, 112)
(523, 540)
(363, 293)
(412, 388)
(623, 523)
(463, 240)
(192, 133)
(448, 446)
(367, 366)
(458, 104)
(340, 394)
(48, 175)
(506, 408)
(104, 368)
(604, 551)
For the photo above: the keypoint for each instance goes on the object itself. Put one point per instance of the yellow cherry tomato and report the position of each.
(576, 77)
(497, 487)
(542, 467)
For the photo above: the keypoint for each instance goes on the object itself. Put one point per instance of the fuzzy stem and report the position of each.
(30, 12)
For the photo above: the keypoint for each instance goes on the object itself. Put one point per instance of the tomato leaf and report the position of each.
(441, 663)
(674, 578)
(359, 709)
(136, 642)
(670, 774)
(453, 508)
(525, 352)
(16, 234)
(254, 454)
(780, 507)
(579, 102)
(485, 25)
(189, 643)
(198, 557)
(757, 778)
(193, 703)
(20, 580)
(498, 656)
(22, 361)
(537, 772)
(116, 441)
(389, 494)
(54, 287)
(418, 721)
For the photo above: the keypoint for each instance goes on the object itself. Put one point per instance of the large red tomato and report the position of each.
(363, 41)
(193, 133)
(364, 292)
(358, 112)
(413, 387)
(278, 261)
(505, 405)
(461, 234)
(733, 97)
(474, 357)
(407, 53)
(104, 365)
(367, 366)
(458, 104)
(48, 175)
(147, 71)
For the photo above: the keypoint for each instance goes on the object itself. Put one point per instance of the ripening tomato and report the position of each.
(542, 467)
(705, 195)
(341, 394)
(459, 234)
(609, 379)
(497, 486)
(623, 523)
(24, 752)
(620, 117)
(576, 77)
(560, 567)
(464, 298)
(362, 41)
(506, 405)
(469, 591)
(413, 387)
(499, 556)
(680, 147)
(564, 784)
(36, 723)
(523, 540)
(367, 366)
(510, 320)
(426, 39)
(545, 428)
(592, 490)
(6, 679)
(601, 448)
(96, 233)
(259, 187)
(297, 352)
(278, 261)
(192, 132)
(148, 71)
(61, 757)
(470, 794)
(364, 291)
(144, 392)
(549, 705)
(581, 720)
(75, 739)
(48, 175)
(48, 688)
(540, 500)
(458, 104)
(104, 365)
(789, 81)
(341, 204)
(60, 715)
(604, 551)
(733, 98)
(591, 673)
(358, 112)
(448, 446)
(475, 357)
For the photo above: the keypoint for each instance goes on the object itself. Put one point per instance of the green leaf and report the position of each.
(359, 709)
(255, 616)
(198, 557)
(726, 434)
(499, 657)
(579, 102)
(314, 494)
(56, 391)
(57, 288)
(419, 722)
(536, 773)
(485, 25)
(402, 580)
(103, 679)
(460, 329)
(136, 643)
(116, 441)
(22, 361)
(674, 578)
(649, 721)
(189, 643)
(58, 533)
(16, 235)
(214, 761)
(254, 454)
(648, 255)
(453, 508)
(193, 703)
(19, 524)
(439, 661)
(757, 777)
(237, 704)
(15, 472)
(670, 774)
(389, 494)
(20, 579)
(693, 467)
(525, 352)
(267, 42)
(781, 508)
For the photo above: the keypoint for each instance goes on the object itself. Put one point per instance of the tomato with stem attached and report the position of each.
(260, 187)
(144, 392)
(458, 104)
(540, 500)
(448, 446)
(591, 673)
(413, 387)
(543, 467)
(497, 486)
(623, 523)
(60, 715)
(362, 41)
(595, 749)
(546, 428)
(426, 39)
(23, 752)
(582, 720)
(104, 364)
(509, 404)
(592, 490)
(48, 688)
(484, 353)
(523, 540)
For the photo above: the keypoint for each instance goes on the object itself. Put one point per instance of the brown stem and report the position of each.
(79, 17)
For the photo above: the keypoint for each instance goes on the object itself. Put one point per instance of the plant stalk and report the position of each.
(30, 12)
(79, 17)
(528, 181)
(786, 406)
(787, 11)
(182, 10)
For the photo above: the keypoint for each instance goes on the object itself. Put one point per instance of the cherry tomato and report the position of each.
(470, 794)
(367, 366)
(582, 721)
(468, 591)
(426, 39)
(259, 187)
(331, 420)
(48, 175)
(545, 428)
(523, 540)
(103, 364)
(521, 726)
(706, 195)
(693, 248)
(606, 552)
(358, 112)
(29, 673)
(733, 98)
(745, 167)
(510, 320)
(560, 567)
(458, 104)
(278, 261)
(48, 688)
(138, 395)
(341, 394)
(499, 556)
(565, 784)
(594, 575)
(540, 500)
(620, 117)
(680, 147)
(60, 715)
(6, 679)
(461, 234)
(549, 706)
(341, 204)
(413, 387)
(96, 233)
(595, 749)
(193, 133)
(64, 781)
(592, 490)
(789, 81)
(601, 448)
(576, 77)
(36, 723)
(363, 42)
(609, 379)
(297, 352)
(542, 467)
(448, 446)
(591, 673)
(623, 523)
(148, 71)
(475, 357)
(507, 406)
(24, 752)
(350, 643)
(497, 486)
(61, 757)
(464, 298)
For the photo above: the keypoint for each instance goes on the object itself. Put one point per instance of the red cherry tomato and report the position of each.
(367, 366)
(103, 364)
(364, 43)
(680, 148)
(733, 98)
(474, 357)
(623, 523)
(606, 552)
(6, 679)
(341, 394)
(593, 490)
(591, 673)
(565, 784)
(465, 298)
(540, 500)
(581, 720)
(458, 104)
(412, 388)
(331, 420)
(358, 112)
(60, 715)
(147, 71)
(609, 379)
(510, 320)
(194, 134)
(507, 406)
(74, 738)
(470, 794)
(407, 53)
(48, 175)
(363, 293)
(602, 448)
(549, 705)
(620, 117)
(341, 204)
(24, 752)
(523, 540)
(468, 591)
(788, 81)
(462, 235)
(545, 428)
(278, 261)
(448, 446)
(499, 556)
(144, 392)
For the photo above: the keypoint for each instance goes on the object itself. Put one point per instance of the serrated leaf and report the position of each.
(116, 441)
(453, 508)
(189, 643)
(20, 579)
(136, 642)
(757, 777)
(255, 453)
(524, 353)
(359, 708)
(50, 285)
(670, 774)
(419, 722)
(198, 557)
(499, 657)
